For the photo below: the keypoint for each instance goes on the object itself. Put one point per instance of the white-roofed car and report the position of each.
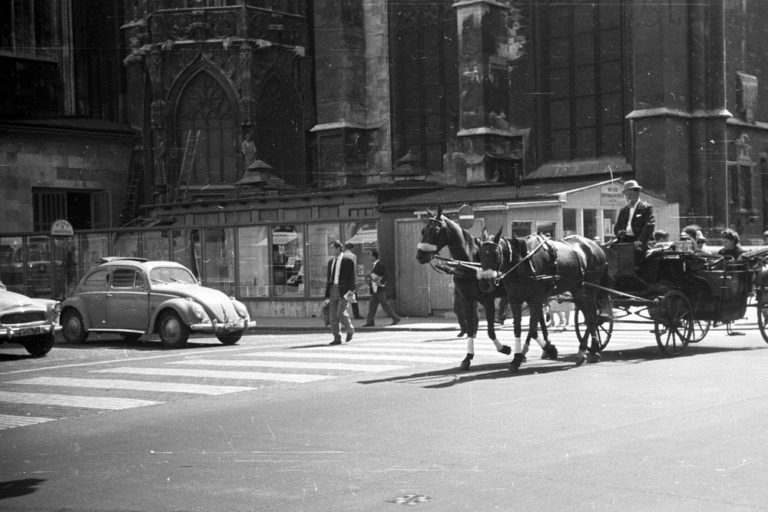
(29, 322)
(135, 296)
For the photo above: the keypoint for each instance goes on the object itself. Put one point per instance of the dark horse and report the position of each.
(440, 232)
(534, 268)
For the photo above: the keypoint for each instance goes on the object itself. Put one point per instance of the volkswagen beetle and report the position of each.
(29, 322)
(135, 296)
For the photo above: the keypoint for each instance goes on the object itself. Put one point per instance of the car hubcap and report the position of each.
(172, 329)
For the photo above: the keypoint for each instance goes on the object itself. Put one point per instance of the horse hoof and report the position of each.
(505, 350)
(580, 360)
(593, 358)
(550, 352)
(517, 360)
(464, 365)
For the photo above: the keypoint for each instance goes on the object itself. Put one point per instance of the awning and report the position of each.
(365, 236)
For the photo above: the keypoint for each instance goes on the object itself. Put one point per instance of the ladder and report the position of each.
(187, 164)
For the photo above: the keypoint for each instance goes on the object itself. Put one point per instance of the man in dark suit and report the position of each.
(339, 289)
(636, 221)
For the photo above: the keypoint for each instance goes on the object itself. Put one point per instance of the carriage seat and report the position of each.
(621, 259)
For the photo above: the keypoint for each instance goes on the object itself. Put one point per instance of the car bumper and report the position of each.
(219, 328)
(13, 333)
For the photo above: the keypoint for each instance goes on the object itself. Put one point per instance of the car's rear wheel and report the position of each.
(174, 333)
(40, 345)
(72, 327)
(230, 338)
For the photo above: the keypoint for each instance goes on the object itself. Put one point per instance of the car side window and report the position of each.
(95, 282)
(123, 278)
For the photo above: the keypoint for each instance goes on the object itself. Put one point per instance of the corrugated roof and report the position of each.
(488, 195)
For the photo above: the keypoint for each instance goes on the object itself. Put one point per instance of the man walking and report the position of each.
(379, 292)
(348, 252)
(339, 288)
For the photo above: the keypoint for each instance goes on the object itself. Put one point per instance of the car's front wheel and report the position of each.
(174, 333)
(40, 345)
(72, 327)
(230, 338)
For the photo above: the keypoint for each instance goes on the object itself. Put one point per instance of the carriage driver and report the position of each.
(636, 222)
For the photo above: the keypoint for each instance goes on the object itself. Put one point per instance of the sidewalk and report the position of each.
(304, 324)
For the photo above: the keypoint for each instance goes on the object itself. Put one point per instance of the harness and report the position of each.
(542, 242)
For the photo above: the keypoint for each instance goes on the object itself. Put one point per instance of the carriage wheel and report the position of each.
(604, 325)
(673, 323)
(762, 318)
(700, 330)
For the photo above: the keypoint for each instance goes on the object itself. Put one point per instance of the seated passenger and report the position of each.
(731, 244)
(701, 243)
(661, 243)
(696, 236)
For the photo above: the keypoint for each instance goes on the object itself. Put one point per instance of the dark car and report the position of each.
(29, 322)
(134, 296)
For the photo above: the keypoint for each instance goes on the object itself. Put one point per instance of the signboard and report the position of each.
(612, 195)
(62, 228)
(466, 217)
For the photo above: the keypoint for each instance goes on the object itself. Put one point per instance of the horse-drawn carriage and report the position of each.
(681, 292)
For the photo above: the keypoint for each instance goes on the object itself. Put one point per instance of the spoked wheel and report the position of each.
(700, 330)
(762, 318)
(673, 323)
(604, 328)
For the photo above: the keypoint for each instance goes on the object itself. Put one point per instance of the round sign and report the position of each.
(466, 217)
(62, 227)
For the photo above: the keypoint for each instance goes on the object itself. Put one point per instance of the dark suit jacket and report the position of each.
(643, 223)
(346, 276)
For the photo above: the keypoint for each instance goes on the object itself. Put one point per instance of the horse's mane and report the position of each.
(461, 244)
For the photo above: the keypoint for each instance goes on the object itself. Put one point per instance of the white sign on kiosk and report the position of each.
(61, 227)
(612, 195)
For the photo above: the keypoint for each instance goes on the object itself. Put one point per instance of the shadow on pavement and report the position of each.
(437, 379)
(14, 488)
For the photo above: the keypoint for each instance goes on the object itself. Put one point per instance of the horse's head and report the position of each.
(433, 237)
(491, 257)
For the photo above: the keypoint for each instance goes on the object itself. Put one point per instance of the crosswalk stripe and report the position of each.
(9, 421)
(191, 372)
(337, 354)
(290, 364)
(88, 402)
(169, 387)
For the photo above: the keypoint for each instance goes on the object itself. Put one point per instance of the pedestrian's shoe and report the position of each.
(336, 340)
(369, 324)
(395, 321)
(461, 333)
(349, 336)
(358, 318)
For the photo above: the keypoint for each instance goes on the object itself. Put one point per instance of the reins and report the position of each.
(451, 262)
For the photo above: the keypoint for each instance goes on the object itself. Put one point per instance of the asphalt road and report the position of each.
(284, 422)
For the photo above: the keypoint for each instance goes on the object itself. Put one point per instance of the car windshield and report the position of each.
(172, 275)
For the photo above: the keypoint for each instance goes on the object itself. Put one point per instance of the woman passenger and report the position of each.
(731, 244)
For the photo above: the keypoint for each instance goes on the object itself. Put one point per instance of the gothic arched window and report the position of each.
(204, 105)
